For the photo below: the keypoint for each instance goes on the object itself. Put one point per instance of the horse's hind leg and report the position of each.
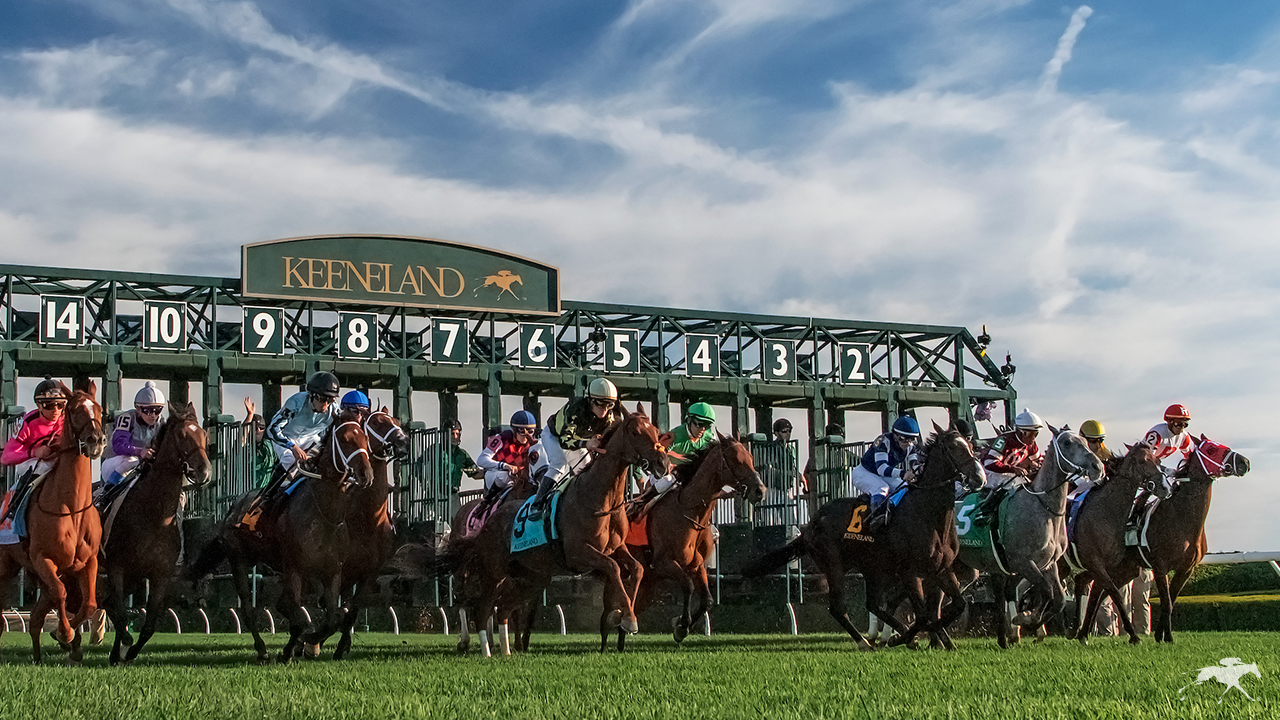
(349, 618)
(1180, 578)
(248, 612)
(838, 604)
(333, 614)
(157, 603)
(1164, 626)
(116, 611)
(706, 600)
(39, 612)
(290, 606)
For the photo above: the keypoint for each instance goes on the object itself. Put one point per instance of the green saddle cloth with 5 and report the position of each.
(980, 536)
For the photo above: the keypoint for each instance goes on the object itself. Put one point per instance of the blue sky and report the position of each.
(1095, 183)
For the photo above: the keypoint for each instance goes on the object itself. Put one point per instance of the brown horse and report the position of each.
(143, 536)
(63, 529)
(592, 526)
(1176, 534)
(915, 551)
(306, 540)
(678, 527)
(1097, 545)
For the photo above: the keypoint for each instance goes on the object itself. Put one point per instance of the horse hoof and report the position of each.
(630, 626)
(311, 652)
(865, 646)
(1134, 640)
(264, 660)
(463, 647)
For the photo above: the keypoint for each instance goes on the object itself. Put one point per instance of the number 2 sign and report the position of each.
(855, 363)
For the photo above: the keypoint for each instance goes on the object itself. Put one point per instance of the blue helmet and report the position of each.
(907, 426)
(523, 419)
(355, 398)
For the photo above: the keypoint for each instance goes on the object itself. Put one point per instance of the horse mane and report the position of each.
(934, 440)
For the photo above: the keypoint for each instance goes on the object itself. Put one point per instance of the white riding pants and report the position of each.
(869, 483)
(115, 468)
(500, 479)
(558, 461)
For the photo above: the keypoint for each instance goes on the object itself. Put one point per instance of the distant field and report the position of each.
(810, 676)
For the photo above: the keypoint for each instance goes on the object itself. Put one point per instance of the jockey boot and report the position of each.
(1135, 517)
(20, 490)
(545, 483)
(986, 508)
(879, 514)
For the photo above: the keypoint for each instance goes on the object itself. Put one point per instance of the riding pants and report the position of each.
(500, 479)
(115, 468)
(996, 479)
(868, 483)
(287, 460)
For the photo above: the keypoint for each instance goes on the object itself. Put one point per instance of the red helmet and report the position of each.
(1176, 412)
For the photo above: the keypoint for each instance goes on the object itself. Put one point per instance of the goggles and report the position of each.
(604, 404)
(153, 410)
(51, 404)
(526, 429)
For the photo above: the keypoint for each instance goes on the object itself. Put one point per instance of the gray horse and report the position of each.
(1034, 534)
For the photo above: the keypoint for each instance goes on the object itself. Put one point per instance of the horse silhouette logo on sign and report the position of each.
(503, 280)
(1228, 671)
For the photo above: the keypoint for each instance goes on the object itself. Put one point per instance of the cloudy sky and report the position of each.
(1096, 183)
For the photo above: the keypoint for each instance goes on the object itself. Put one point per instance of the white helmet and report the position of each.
(149, 395)
(1027, 420)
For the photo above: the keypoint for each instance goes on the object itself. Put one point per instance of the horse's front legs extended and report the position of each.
(56, 593)
(618, 610)
(702, 587)
(248, 612)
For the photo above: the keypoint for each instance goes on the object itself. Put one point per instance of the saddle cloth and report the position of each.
(528, 534)
(481, 513)
(980, 538)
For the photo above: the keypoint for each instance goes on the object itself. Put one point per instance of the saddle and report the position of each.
(481, 513)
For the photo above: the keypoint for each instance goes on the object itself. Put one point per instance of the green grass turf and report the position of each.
(739, 676)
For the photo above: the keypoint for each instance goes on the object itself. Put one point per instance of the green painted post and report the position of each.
(816, 417)
(764, 420)
(213, 389)
(271, 400)
(179, 392)
(8, 381)
(662, 404)
(890, 413)
(533, 404)
(740, 411)
(402, 404)
(491, 407)
(111, 390)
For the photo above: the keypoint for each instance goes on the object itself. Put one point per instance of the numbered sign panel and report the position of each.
(262, 331)
(164, 325)
(779, 361)
(537, 345)
(358, 336)
(855, 363)
(622, 351)
(61, 320)
(702, 356)
(449, 340)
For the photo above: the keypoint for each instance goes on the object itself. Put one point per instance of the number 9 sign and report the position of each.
(262, 331)
(358, 336)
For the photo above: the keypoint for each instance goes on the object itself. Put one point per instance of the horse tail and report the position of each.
(423, 561)
(775, 559)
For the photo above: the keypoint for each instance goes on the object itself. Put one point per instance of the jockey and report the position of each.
(507, 453)
(1011, 458)
(890, 462)
(133, 432)
(1093, 434)
(576, 427)
(358, 402)
(303, 420)
(687, 440)
(1170, 438)
(31, 446)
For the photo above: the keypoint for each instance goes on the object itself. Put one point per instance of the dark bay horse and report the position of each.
(592, 525)
(915, 551)
(1176, 534)
(306, 540)
(143, 536)
(63, 529)
(1097, 545)
(678, 528)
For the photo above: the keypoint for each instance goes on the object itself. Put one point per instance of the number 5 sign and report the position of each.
(779, 361)
(61, 320)
(357, 336)
(622, 351)
(855, 364)
(537, 345)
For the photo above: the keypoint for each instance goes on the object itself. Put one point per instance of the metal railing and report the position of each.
(426, 489)
(233, 454)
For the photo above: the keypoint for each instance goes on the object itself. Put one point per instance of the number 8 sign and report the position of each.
(358, 336)
(855, 364)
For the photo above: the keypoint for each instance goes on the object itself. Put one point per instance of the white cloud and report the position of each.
(1061, 56)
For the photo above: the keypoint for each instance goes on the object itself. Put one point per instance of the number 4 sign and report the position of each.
(702, 356)
(61, 320)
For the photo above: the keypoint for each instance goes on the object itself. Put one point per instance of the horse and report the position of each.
(592, 526)
(306, 540)
(369, 522)
(1034, 534)
(63, 529)
(1176, 533)
(678, 527)
(915, 550)
(143, 534)
(1098, 546)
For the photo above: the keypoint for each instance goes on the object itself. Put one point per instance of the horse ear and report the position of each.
(665, 440)
(938, 428)
(640, 409)
(720, 436)
(1056, 431)
(1128, 448)
(1199, 440)
(962, 426)
(191, 410)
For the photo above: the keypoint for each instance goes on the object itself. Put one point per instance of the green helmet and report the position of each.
(702, 411)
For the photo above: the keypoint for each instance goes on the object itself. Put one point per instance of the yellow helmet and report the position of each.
(1093, 429)
(602, 389)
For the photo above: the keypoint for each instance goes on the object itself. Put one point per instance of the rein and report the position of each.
(1222, 464)
(1058, 459)
(383, 438)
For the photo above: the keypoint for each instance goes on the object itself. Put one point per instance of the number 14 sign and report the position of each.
(61, 320)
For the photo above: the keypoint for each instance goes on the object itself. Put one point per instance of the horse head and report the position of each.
(1140, 465)
(348, 449)
(957, 452)
(82, 423)
(190, 444)
(1072, 457)
(387, 440)
(638, 442)
(1218, 460)
(743, 478)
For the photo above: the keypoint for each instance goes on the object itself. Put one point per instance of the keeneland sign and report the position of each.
(393, 270)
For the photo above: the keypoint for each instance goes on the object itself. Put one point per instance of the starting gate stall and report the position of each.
(412, 315)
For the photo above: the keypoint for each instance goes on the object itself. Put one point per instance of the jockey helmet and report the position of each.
(781, 425)
(1093, 430)
(602, 389)
(355, 399)
(149, 395)
(702, 412)
(324, 385)
(906, 426)
(523, 419)
(1027, 420)
(49, 389)
(1176, 412)
(451, 425)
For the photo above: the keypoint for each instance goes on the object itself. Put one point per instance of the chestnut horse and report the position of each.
(1176, 535)
(144, 536)
(915, 551)
(1097, 544)
(678, 527)
(592, 526)
(63, 528)
(306, 540)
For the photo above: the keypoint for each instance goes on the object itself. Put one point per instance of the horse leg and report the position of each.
(290, 606)
(157, 603)
(56, 594)
(1082, 586)
(1164, 626)
(706, 600)
(39, 611)
(617, 603)
(949, 587)
(1180, 578)
(248, 612)
(633, 571)
(333, 616)
(359, 599)
(915, 590)
(117, 613)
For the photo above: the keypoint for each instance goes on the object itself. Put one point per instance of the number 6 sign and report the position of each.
(537, 345)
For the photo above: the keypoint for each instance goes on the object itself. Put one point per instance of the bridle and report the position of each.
(1076, 471)
(739, 486)
(948, 479)
(1223, 470)
(94, 423)
(337, 454)
(388, 439)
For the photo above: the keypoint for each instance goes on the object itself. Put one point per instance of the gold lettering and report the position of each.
(291, 269)
(462, 284)
(386, 278)
(354, 272)
(315, 269)
(337, 281)
(410, 279)
(373, 277)
(440, 286)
